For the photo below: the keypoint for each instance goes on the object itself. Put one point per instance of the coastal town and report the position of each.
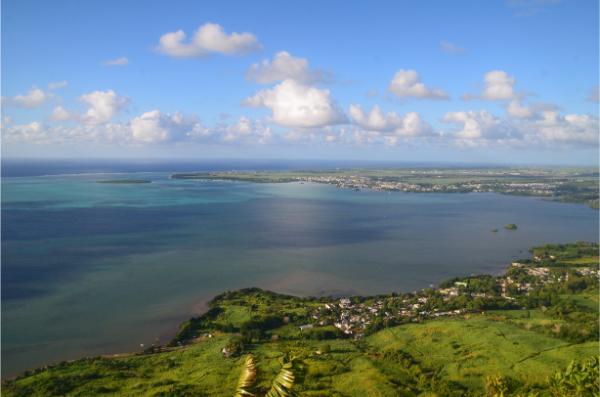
(354, 317)
(536, 283)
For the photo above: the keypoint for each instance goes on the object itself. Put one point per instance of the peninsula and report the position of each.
(577, 185)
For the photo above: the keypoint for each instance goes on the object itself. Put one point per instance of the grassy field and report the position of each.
(464, 351)
(586, 300)
(586, 261)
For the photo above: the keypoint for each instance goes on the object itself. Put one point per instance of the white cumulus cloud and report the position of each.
(155, 126)
(246, 130)
(498, 86)
(32, 99)
(209, 38)
(61, 114)
(375, 120)
(475, 124)
(410, 125)
(516, 109)
(406, 83)
(22, 132)
(294, 104)
(545, 127)
(102, 106)
(413, 125)
(571, 128)
(150, 127)
(40, 134)
(284, 66)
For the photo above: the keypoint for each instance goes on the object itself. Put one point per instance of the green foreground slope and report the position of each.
(456, 354)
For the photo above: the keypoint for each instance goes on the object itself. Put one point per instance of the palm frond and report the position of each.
(283, 382)
(247, 378)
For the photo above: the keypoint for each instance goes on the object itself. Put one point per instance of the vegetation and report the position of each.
(472, 336)
(511, 226)
(581, 252)
(578, 379)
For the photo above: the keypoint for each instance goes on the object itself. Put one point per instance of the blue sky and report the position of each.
(498, 81)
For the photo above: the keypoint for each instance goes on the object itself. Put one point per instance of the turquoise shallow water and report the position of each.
(92, 268)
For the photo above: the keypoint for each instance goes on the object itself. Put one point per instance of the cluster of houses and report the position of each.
(354, 318)
(544, 275)
(588, 271)
(350, 318)
(540, 276)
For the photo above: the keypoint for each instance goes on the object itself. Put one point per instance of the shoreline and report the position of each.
(531, 265)
(198, 309)
(202, 306)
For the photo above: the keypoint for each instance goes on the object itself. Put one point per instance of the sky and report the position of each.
(506, 81)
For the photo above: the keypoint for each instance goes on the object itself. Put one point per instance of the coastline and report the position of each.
(493, 315)
(279, 285)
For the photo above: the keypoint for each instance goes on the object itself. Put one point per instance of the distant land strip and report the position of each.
(572, 185)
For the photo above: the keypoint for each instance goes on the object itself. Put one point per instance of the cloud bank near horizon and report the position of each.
(302, 109)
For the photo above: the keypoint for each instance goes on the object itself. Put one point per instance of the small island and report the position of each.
(124, 181)
(511, 226)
